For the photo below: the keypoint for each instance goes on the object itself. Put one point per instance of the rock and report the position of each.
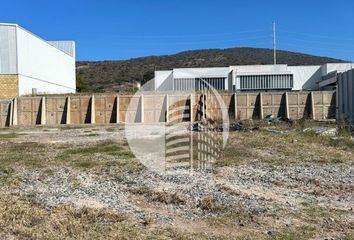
(322, 131)
(272, 233)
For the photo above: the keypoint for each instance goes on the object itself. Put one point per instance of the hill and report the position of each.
(119, 75)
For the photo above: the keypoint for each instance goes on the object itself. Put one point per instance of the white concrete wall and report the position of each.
(43, 66)
(259, 69)
(26, 84)
(339, 67)
(306, 77)
(164, 79)
(201, 72)
(66, 46)
(8, 49)
(161, 77)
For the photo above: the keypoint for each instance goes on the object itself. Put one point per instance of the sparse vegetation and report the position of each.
(287, 148)
(159, 196)
(8, 135)
(109, 153)
(81, 86)
(210, 204)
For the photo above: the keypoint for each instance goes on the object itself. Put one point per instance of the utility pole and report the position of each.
(274, 44)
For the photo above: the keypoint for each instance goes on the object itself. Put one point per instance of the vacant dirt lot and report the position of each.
(83, 182)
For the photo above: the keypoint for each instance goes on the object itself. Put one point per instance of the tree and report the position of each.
(81, 86)
(148, 76)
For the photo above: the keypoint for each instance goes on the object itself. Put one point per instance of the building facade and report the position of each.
(249, 77)
(30, 64)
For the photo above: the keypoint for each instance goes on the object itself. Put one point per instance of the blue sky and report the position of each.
(112, 30)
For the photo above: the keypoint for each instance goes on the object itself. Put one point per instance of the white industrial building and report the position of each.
(250, 77)
(30, 64)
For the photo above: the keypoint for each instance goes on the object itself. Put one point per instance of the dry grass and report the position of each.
(167, 197)
(24, 219)
(288, 148)
(100, 157)
(8, 135)
(210, 204)
(21, 218)
(95, 156)
(164, 197)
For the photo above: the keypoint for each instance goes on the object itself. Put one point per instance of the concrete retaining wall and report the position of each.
(80, 109)
(153, 108)
(56, 108)
(106, 108)
(29, 111)
(5, 113)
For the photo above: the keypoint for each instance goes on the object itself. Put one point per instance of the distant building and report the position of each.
(331, 73)
(250, 77)
(30, 64)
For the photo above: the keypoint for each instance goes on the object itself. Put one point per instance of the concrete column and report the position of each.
(14, 113)
(203, 106)
(298, 106)
(287, 112)
(191, 150)
(324, 115)
(235, 107)
(337, 97)
(93, 110)
(11, 112)
(68, 111)
(208, 100)
(117, 110)
(191, 102)
(142, 108)
(261, 106)
(43, 112)
(167, 108)
(248, 105)
(312, 106)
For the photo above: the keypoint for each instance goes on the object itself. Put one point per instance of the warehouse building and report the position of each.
(333, 71)
(250, 77)
(29, 64)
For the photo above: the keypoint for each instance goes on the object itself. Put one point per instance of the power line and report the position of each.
(319, 42)
(318, 36)
(185, 35)
(266, 40)
(316, 48)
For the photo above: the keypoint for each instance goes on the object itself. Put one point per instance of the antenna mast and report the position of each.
(274, 44)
